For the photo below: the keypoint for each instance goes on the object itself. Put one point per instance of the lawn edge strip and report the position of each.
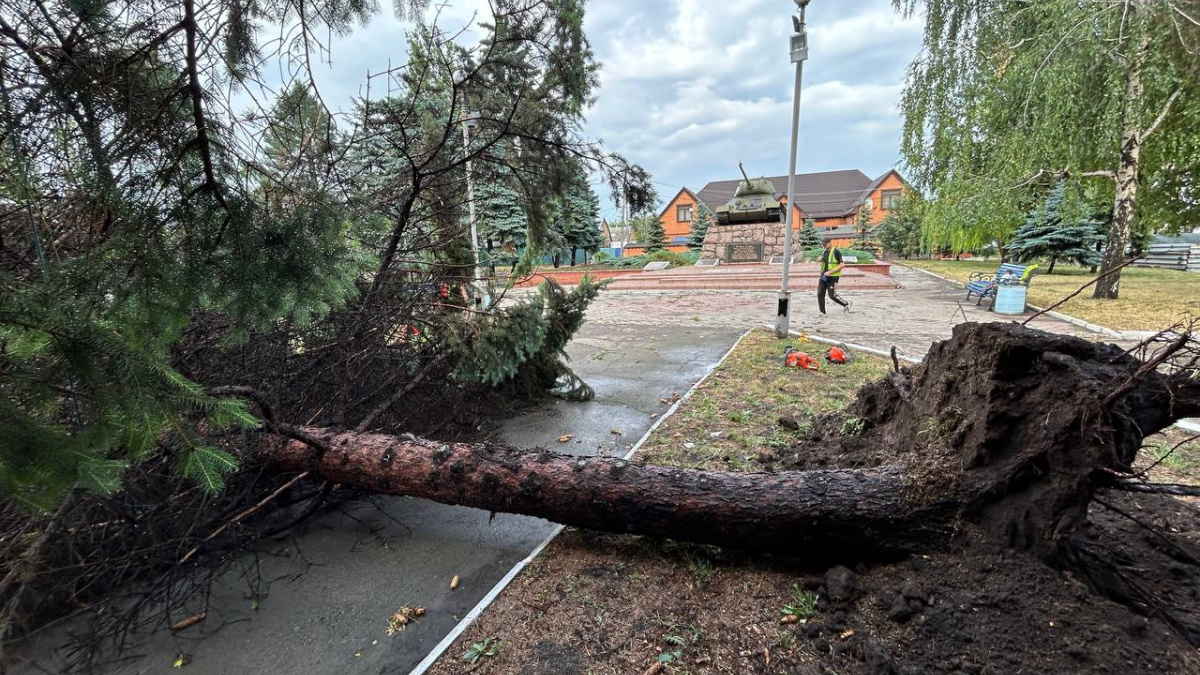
(440, 648)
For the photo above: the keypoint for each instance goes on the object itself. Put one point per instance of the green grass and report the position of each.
(732, 422)
(803, 604)
(1151, 299)
(1184, 459)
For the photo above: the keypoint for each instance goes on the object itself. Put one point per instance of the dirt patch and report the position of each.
(617, 605)
(632, 605)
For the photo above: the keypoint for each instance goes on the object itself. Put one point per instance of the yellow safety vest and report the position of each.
(829, 261)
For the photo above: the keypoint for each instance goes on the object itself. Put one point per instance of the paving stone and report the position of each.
(913, 317)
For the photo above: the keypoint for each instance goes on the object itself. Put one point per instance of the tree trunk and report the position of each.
(1125, 194)
(1003, 429)
(861, 512)
(1052, 261)
(574, 253)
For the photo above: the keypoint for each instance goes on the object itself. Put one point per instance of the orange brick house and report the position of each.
(831, 198)
(677, 223)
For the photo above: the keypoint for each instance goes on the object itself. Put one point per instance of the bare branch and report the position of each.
(1162, 114)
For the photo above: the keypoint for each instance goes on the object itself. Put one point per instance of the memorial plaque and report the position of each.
(745, 251)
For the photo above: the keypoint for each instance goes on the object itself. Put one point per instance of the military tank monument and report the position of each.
(753, 202)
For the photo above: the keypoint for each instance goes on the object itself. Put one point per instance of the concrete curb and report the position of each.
(1094, 327)
(477, 611)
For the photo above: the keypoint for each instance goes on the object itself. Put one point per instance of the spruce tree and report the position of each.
(1047, 234)
(702, 219)
(168, 202)
(809, 237)
(655, 236)
(580, 215)
(502, 220)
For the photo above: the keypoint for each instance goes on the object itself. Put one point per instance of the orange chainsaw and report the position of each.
(797, 359)
(837, 354)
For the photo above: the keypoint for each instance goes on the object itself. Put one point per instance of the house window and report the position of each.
(889, 199)
(683, 213)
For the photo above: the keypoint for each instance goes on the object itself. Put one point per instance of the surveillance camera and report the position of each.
(802, 3)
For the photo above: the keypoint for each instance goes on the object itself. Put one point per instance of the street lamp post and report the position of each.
(798, 43)
(478, 296)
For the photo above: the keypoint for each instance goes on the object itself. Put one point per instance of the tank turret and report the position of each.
(753, 202)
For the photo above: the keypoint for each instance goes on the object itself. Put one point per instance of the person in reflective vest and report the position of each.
(831, 271)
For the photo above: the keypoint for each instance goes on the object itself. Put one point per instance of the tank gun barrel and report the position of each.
(743, 170)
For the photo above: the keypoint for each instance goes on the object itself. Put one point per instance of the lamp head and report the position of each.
(798, 22)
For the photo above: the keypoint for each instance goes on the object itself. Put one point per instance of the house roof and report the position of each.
(684, 190)
(819, 195)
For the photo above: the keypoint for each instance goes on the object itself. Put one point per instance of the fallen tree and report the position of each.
(1003, 431)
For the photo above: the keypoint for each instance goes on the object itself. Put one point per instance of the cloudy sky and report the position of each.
(690, 87)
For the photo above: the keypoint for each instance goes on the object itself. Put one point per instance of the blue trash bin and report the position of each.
(1010, 299)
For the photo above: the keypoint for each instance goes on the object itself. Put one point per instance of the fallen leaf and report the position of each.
(664, 400)
(677, 434)
(189, 621)
(454, 582)
(615, 431)
(766, 657)
(675, 396)
(789, 618)
(845, 634)
(402, 618)
(654, 669)
(564, 438)
(653, 415)
(181, 660)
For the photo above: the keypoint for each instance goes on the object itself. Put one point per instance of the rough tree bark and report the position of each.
(1003, 431)
(848, 511)
(1125, 194)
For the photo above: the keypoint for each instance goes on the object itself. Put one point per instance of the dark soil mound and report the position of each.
(993, 612)
(1008, 420)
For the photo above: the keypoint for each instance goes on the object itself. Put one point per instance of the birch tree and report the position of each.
(1014, 94)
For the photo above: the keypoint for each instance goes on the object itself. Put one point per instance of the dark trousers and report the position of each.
(828, 285)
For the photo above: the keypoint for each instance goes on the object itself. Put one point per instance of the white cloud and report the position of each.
(689, 87)
(711, 86)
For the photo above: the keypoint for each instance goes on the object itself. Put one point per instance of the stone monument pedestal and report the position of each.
(745, 242)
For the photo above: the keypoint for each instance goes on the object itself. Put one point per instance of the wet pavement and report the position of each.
(326, 593)
(329, 590)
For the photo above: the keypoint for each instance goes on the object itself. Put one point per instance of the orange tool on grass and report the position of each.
(797, 359)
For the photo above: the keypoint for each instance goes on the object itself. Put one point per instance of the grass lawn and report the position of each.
(1151, 299)
(731, 423)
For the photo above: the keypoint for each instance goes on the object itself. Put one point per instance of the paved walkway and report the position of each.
(328, 591)
(912, 317)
